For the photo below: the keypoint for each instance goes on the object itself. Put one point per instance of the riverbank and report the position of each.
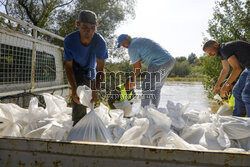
(185, 79)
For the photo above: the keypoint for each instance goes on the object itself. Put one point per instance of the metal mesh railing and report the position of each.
(45, 67)
(30, 63)
(16, 64)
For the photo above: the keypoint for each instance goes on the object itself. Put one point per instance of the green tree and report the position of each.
(180, 59)
(181, 68)
(230, 21)
(37, 12)
(191, 58)
(211, 67)
(196, 68)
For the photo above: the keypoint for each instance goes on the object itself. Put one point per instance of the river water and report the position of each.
(192, 93)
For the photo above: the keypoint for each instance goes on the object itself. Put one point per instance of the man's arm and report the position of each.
(71, 79)
(233, 61)
(223, 75)
(136, 72)
(99, 78)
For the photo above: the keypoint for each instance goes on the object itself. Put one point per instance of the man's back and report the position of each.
(240, 49)
(148, 51)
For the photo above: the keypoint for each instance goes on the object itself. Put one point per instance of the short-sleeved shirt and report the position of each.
(85, 56)
(240, 49)
(148, 52)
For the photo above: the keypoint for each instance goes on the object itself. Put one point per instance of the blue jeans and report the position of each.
(241, 92)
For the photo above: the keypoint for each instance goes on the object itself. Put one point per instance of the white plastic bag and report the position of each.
(90, 128)
(85, 95)
(159, 124)
(135, 133)
(103, 112)
(175, 113)
(125, 106)
(118, 124)
(11, 116)
(54, 103)
(172, 140)
(237, 129)
(191, 117)
(157, 117)
(205, 134)
(225, 109)
(35, 112)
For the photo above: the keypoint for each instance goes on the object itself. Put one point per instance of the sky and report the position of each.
(177, 25)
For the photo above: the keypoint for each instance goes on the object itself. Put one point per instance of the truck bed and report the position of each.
(43, 153)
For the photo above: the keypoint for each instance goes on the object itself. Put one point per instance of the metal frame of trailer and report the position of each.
(45, 153)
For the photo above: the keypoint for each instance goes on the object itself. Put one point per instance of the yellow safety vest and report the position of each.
(231, 100)
(124, 95)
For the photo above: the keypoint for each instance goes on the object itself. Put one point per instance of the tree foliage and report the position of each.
(211, 67)
(187, 67)
(230, 21)
(181, 67)
(191, 58)
(37, 12)
(180, 59)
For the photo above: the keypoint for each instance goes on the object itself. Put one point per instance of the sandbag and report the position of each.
(237, 128)
(54, 103)
(172, 140)
(90, 128)
(135, 133)
(205, 134)
(125, 106)
(11, 116)
(175, 112)
(225, 109)
(103, 112)
(85, 95)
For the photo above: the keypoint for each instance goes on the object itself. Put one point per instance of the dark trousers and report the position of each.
(79, 110)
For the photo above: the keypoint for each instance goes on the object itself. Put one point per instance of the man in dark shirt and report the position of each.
(237, 55)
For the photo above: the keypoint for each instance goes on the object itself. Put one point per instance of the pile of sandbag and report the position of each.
(52, 122)
(175, 126)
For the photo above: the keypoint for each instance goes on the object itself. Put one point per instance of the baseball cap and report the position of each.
(120, 38)
(87, 16)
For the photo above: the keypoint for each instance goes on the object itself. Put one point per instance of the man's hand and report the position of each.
(75, 97)
(94, 97)
(216, 89)
(224, 91)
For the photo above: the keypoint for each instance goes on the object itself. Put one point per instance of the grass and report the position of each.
(187, 79)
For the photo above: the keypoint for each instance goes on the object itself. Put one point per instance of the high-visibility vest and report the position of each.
(124, 95)
(231, 100)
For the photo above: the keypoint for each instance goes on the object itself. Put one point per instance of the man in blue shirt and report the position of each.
(84, 54)
(158, 61)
